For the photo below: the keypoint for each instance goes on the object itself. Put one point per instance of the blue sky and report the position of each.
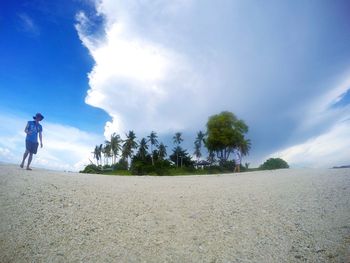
(43, 58)
(97, 67)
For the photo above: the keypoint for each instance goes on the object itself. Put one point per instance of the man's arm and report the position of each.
(41, 140)
(26, 129)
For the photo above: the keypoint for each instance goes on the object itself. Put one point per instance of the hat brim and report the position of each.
(40, 117)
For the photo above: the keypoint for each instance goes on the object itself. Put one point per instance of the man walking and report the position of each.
(238, 158)
(33, 129)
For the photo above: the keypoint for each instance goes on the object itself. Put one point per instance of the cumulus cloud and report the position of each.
(167, 66)
(65, 147)
(137, 77)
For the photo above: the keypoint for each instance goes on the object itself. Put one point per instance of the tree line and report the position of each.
(224, 132)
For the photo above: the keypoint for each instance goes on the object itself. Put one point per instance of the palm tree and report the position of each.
(107, 150)
(245, 146)
(103, 151)
(153, 140)
(162, 151)
(178, 152)
(115, 146)
(96, 154)
(100, 153)
(177, 140)
(197, 151)
(200, 138)
(143, 147)
(198, 144)
(129, 145)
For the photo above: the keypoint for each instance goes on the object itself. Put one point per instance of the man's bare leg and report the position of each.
(24, 158)
(237, 169)
(29, 161)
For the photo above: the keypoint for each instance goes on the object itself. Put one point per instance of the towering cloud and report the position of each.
(167, 66)
(141, 83)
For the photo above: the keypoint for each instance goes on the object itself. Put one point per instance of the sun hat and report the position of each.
(38, 115)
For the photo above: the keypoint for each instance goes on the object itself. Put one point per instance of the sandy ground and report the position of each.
(272, 216)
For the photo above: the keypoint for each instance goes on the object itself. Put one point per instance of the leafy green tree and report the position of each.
(274, 163)
(224, 133)
(152, 138)
(211, 157)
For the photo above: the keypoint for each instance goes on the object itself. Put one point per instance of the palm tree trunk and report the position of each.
(152, 155)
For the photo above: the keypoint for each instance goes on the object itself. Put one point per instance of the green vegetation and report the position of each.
(92, 169)
(274, 163)
(224, 133)
(147, 156)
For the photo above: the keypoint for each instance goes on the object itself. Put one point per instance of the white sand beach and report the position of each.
(271, 216)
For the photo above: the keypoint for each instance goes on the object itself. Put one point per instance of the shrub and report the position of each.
(92, 169)
(121, 165)
(227, 165)
(162, 167)
(143, 167)
(274, 163)
(140, 168)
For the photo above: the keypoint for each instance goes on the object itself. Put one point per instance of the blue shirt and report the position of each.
(238, 155)
(33, 129)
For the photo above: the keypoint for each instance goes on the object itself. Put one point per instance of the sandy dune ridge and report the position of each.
(271, 216)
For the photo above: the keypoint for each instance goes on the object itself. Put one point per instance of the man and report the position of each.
(238, 158)
(33, 129)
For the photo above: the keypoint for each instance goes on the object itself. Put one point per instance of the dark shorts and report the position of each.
(32, 147)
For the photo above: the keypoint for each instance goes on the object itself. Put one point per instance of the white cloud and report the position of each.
(167, 66)
(326, 150)
(6, 155)
(65, 147)
(330, 147)
(137, 77)
(320, 110)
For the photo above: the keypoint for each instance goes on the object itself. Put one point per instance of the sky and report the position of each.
(95, 67)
